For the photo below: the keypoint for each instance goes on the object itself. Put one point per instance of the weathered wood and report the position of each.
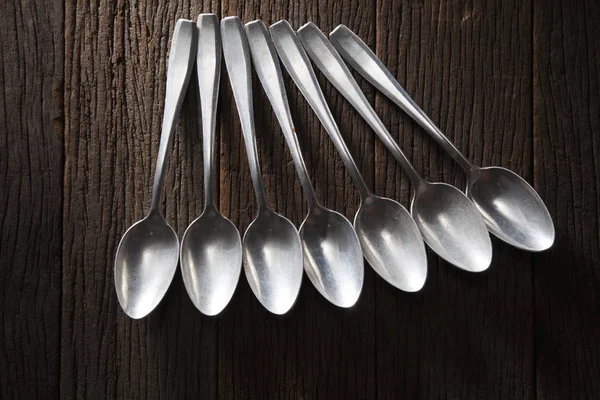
(31, 191)
(115, 71)
(512, 83)
(469, 67)
(566, 73)
(317, 350)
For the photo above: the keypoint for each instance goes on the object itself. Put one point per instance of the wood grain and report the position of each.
(464, 335)
(514, 84)
(31, 191)
(567, 173)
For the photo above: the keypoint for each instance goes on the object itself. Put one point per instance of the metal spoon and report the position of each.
(147, 256)
(332, 255)
(211, 248)
(449, 222)
(389, 237)
(272, 249)
(512, 209)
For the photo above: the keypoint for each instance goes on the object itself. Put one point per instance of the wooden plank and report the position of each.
(31, 176)
(115, 71)
(567, 174)
(317, 350)
(468, 64)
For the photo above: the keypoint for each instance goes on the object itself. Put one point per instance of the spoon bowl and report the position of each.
(333, 258)
(451, 226)
(392, 243)
(511, 208)
(147, 256)
(211, 261)
(273, 261)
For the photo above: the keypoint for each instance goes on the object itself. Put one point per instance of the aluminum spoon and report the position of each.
(211, 248)
(389, 237)
(332, 255)
(147, 256)
(449, 222)
(272, 249)
(512, 209)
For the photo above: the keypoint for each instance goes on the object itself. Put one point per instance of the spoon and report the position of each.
(390, 239)
(512, 209)
(449, 222)
(332, 255)
(272, 251)
(147, 255)
(211, 249)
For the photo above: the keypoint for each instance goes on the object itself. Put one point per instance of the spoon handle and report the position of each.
(208, 67)
(179, 70)
(237, 60)
(268, 70)
(297, 64)
(328, 60)
(361, 58)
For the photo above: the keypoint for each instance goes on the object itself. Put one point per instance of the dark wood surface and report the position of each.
(512, 83)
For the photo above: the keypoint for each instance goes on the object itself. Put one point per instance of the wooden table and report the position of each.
(513, 83)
